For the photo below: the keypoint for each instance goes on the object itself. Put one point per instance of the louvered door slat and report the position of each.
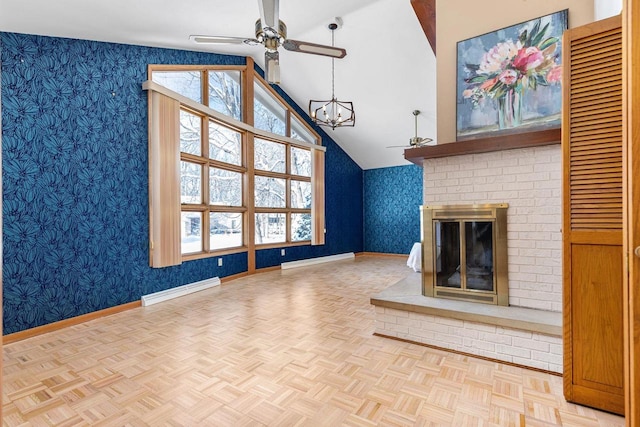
(608, 117)
(583, 59)
(601, 193)
(591, 91)
(612, 109)
(595, 156)
(605, 75)
(615, 61)
(609, 100)
(602, 39)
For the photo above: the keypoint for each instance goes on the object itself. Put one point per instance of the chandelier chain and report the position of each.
(333, 66)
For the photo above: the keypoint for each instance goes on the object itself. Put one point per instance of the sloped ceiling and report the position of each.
(388, 72)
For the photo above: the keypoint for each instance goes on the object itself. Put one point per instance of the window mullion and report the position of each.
(287, 122)
(206, 197)
(248, 162)
(205, 88)
(288, 204)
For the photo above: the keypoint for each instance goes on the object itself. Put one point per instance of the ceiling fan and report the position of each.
(271, 32)
(416, 141)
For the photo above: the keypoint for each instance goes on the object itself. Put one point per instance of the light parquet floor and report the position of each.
(283, 348)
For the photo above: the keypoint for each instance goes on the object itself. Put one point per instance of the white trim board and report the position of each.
(319, 260)
(187, 289)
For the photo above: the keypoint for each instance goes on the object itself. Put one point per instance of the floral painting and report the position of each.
(508, 81)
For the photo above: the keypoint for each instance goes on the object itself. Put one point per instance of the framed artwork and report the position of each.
(508, 81)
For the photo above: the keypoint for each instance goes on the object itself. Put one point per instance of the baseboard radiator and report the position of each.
(187, 289)
(319, 260)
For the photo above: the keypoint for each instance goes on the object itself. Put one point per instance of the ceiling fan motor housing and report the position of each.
(267, 34)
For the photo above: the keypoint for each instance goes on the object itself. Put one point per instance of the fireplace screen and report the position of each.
(466, 253)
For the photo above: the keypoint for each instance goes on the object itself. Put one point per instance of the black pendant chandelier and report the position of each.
(332, 113)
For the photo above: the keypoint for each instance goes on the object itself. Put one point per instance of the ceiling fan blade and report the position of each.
(272, 67)
(313, 48)
(269, 11)
(223, 40)
(398, 146)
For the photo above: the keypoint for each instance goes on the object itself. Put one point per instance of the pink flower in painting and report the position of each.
(528, 59)
(508, 77)
(498, 56)
(513, 66)
(555, 74)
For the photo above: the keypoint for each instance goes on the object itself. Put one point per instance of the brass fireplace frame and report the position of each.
(496, 213)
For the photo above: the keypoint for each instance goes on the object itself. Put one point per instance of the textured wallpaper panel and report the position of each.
(392, 199)
(75, 180)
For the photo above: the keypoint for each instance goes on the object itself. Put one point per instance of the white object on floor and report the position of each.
(415, 257)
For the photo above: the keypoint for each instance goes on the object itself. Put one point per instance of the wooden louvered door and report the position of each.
(592, 216)
(631, 120)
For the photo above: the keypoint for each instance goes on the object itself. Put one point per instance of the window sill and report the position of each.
(283, 245)
(201, 255)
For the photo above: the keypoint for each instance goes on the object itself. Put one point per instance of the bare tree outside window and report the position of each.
(271, 228)
(225, 95)
(190, 133)
(269, 156)
(300, 161)
(268, 113)
(225, 187)
(190, 183)
(225, 144)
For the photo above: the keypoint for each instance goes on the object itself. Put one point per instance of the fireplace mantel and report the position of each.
(484, 145)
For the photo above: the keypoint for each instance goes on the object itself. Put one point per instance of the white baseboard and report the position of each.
(179, 291)
(319, 260)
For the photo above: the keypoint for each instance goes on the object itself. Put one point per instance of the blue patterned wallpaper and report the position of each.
(392, 200)
(75, 178)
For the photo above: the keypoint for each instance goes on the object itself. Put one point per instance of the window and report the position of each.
(272, 197)
(225, 144)
(269, 156)
(300, 131)
(187, 83)
(218, 206)
(283, 192)
(225, 93)
(269, 113)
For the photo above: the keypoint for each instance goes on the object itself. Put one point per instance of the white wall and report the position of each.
(606, 8)
(529, 180)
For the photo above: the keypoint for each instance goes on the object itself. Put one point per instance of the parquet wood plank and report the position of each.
(280, 348)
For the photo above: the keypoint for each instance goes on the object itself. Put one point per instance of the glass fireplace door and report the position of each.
(478, 236)
(464, 255)
(447, 254)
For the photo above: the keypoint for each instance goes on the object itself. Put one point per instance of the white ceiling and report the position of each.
(388, 72)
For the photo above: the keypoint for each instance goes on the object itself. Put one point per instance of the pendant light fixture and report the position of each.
(332, 113)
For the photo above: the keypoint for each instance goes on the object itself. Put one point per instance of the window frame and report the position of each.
(205, 207)
(248, 210)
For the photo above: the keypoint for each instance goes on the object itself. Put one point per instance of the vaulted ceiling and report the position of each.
(388, 72)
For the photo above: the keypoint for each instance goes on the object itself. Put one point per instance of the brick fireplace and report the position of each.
(528, 180)
(529, 331)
